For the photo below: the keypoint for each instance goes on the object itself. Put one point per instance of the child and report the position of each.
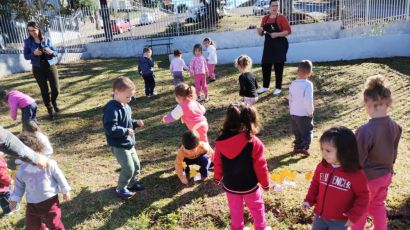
(18, 100)
(199, 69)
(5, 181)
(338, 189)
(146, 69)
(41, 187)
(119, 131)
(189, 110)
(212, 59)
(301, 107)
(378, 141)
(240, 164)
(177, 67)
(32, 127)
(247, 81)
(193, 152)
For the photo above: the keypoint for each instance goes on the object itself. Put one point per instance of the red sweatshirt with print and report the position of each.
(337, 194)
(5, 178)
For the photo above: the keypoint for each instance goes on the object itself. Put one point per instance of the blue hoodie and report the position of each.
(117, 120)
(145, 65)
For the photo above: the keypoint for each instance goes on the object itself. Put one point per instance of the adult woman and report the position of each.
(43, 58)
(275, 27)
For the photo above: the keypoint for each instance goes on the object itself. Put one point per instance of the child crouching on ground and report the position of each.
(193, 152)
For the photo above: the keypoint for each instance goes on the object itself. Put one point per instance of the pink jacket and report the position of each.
(190, 112)
(18, 100)
(198, 65)
(5, 179)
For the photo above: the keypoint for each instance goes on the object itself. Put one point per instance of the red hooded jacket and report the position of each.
(240, 164)
(337, 194)
(5, 178)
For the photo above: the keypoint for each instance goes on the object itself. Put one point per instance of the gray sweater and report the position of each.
(39, 184)
(10, 144)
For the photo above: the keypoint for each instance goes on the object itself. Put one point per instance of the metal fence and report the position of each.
(183, 17)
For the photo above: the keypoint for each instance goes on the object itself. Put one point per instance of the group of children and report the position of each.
(349, 183)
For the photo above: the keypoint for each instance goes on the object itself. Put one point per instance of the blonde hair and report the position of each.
(122, 84)
(377, 89)
(244, 62)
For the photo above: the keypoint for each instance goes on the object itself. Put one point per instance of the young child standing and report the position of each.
(240, 164)
(338, 189)
(212, 59)
(301, 107)
(146, 69)
(18, 100)
(247, 81)
(32, 127)
(193, 152)
(41, 187)
(5, 181)
(177, 67)
(119, 130)
(190, 111)
(378, 142)
(199, 69)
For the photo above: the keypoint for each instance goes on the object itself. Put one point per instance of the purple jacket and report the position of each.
(18, 100)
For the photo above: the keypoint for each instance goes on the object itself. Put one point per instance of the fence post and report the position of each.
(366, 20)
(62, 31)
(177, 22)
(407, 10)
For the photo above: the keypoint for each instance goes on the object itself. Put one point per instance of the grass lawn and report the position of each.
(81, 151)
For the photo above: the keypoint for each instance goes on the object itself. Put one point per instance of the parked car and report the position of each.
(261, 7)
(195, 13)
(119, 26)
(199, 12)
(147, 18)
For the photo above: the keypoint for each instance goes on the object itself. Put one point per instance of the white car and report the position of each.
(147, 18)
(261, 7)
(195, 13)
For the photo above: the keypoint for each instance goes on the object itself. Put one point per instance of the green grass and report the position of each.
(81, 150)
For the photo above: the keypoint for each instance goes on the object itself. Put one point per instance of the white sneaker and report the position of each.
(198, 99)
(262, 90)
(206, 99)
(277, 92)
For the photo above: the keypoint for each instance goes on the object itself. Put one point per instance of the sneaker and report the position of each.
(206, 99)
(305, 151)
(50, 113)
(277, 92)
(153, 93)
(14, 210)
(262, 90)
(55, 106)
(124, 193)
(198, 99)
(136, 187)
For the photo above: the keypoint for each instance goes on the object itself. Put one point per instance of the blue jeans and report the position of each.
(203, 161)
(321, 224)
(29, 112)
(4, 203)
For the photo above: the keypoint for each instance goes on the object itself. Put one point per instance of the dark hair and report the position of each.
(122, 84)
(346, 146)
(197, 46)
(190, 140)
(305, 66)
(31, 141)
(177, 53)
(211, 42)
(146, 49)
(241, 118)
(184, 90)
(30, 126)
(377, 89)
(36, 26)
(3, 95)
(244, 61)
(273, 1)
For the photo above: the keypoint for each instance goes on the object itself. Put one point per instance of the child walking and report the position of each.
(247, 81)
(119, 130)
(18, 100)
(41, 187)
(338, 189)
(193, 152)
(177, 67)
(240, 164)
(378, 141)
(5, 181)
(199, 69)
(301, 107)
(212, 59)
(32, 127)
(146, 69)
(189, 111)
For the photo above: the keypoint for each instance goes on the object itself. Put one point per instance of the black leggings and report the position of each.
(267, 72)
(45, 73)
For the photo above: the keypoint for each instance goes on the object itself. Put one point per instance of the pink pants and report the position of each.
(200, 83)
(377, 209)
(202, 130)
(254, 201)
(211, 70)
